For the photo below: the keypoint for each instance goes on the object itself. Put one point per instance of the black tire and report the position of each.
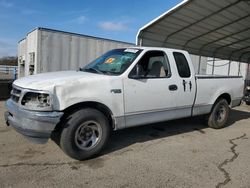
(85, 133)
(217, 119)
(248, 102)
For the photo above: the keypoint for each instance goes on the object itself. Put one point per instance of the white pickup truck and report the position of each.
(122, 88)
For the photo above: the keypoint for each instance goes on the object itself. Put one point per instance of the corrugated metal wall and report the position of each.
(56, 50)
(62, 51)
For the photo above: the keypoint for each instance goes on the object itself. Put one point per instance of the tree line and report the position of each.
(10, 61)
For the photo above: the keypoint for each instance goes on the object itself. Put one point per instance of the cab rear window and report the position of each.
(182, 65)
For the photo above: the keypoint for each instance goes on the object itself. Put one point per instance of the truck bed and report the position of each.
(214, 86)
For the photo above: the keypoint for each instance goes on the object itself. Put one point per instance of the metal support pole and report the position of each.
(140, 41)
(213, 66)
(248, 73)
(199, 66)
(239, 68)
(229, 67)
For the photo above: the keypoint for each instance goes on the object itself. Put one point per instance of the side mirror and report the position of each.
(136, 73)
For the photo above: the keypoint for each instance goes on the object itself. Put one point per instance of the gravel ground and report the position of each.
(182, 153)
(4, 76)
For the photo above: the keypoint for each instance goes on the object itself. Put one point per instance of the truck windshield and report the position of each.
(114, 62)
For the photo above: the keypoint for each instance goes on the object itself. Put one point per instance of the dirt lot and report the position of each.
(181, 153)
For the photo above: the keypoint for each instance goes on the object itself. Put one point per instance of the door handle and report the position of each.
(184, 85)
(173, 87)
(190, 85)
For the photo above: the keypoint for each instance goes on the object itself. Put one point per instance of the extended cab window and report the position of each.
(153, 64)
(182, 65)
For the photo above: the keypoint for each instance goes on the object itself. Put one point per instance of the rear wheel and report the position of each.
(218, 117)
(84, 134)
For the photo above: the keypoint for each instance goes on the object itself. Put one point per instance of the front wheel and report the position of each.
(84, 134)
(218, 117)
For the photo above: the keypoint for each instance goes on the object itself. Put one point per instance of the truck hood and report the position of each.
(47, 81)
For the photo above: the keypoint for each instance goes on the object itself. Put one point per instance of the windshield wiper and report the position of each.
(91, 69)
(111, 73)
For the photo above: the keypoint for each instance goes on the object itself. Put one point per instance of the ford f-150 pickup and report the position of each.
(122, 88)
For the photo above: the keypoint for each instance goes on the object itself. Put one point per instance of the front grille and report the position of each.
(15, 94)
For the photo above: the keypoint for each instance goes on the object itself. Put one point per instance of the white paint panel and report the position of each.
(215, 87)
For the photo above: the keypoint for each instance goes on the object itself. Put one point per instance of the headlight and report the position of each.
(37, 101)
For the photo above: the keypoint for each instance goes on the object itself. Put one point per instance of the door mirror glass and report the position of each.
(137, 72)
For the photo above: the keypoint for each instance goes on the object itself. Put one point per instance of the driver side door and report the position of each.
(151, 91)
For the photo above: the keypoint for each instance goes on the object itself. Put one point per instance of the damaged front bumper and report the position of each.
(36, 126)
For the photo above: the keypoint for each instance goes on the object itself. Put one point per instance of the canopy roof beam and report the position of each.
(223, 38)
(198, 21)
(211, 28)
(230, 44)
(216, 29)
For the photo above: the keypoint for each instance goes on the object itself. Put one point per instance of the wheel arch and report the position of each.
(225, 96)
(90, 104)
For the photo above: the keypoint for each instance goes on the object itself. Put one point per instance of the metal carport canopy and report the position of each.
(211, 28)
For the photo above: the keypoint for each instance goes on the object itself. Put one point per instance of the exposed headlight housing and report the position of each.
(37, 101)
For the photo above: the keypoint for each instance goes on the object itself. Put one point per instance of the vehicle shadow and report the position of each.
(124, 138)
(237, 115)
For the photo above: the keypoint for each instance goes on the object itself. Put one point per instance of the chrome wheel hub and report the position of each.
(88, 135)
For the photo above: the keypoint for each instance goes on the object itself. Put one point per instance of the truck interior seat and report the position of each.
(157, 70)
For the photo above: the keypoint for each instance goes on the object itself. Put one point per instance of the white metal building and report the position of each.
(46, 50)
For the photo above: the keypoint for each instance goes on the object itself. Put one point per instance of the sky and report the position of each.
(112, 19)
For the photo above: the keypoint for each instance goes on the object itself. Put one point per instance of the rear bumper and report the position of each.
(36, 126)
